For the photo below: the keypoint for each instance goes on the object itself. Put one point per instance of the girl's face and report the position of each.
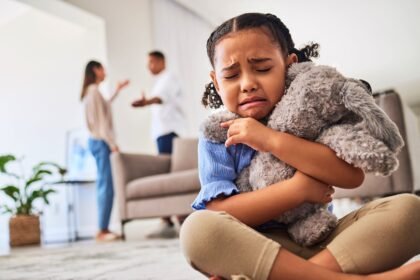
(249, 72)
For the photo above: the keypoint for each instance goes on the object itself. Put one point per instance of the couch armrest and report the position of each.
(184, 154)
(127, 167)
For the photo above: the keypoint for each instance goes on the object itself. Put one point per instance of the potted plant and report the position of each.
(24, 227)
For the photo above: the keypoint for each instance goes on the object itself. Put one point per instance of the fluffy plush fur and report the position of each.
(320, 105)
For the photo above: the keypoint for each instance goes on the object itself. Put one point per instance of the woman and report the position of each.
(101, 141)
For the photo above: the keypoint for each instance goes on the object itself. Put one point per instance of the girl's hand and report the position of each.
(248, 131)
(313, 190)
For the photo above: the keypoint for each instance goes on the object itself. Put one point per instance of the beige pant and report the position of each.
(381, 235)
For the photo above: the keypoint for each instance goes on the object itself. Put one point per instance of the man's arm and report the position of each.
(142, 102)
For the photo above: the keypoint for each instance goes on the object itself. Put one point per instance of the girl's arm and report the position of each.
(257, 207)
(314, 159)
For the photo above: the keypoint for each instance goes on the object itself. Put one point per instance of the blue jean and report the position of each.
(164, 143)
(104, 185)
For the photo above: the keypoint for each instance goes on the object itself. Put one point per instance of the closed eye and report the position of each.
(264, 70)
(230, 77)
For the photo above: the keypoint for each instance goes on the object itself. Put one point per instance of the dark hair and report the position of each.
(278, 31)
(90, 76)
(157, 54)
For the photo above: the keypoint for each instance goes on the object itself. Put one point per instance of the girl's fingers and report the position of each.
(232, 141)
(226, 124)
(228, 142)
(233, 131)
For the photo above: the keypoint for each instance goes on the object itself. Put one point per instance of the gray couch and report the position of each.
(400, 181)
(156, 186)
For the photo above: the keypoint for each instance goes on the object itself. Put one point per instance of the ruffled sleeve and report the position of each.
(217, 172)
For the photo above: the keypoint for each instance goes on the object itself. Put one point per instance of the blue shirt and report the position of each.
(218, 168)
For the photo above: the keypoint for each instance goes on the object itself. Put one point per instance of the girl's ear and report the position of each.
(213, 78)
(291, 58)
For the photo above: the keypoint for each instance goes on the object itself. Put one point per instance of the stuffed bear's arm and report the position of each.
(211, 129)
(356, 146)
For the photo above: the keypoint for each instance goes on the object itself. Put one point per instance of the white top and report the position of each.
(167, 117)
(98, 115)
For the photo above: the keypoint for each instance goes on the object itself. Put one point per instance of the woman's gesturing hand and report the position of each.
(122, 84)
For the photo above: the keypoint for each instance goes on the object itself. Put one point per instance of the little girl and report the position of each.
(235, 235)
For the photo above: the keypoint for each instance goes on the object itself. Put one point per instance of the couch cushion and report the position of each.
(184, 154)
(164, 184)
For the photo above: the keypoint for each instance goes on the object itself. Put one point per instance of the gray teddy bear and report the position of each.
(320, 105)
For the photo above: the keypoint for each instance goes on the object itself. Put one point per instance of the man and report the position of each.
(167, 119)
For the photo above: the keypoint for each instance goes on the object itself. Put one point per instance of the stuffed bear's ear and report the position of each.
(211, 129)
(354, 144)
(357, 99)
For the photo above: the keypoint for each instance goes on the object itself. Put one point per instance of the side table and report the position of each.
(71, 200)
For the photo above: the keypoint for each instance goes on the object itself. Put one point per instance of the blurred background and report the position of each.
(45, 44)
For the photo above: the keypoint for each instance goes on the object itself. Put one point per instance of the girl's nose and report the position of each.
(248, 83)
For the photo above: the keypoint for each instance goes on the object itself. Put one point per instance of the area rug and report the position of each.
(160, 259)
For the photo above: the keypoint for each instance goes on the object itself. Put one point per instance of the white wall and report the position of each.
(42, 58)
(44, 47)
(129, 39)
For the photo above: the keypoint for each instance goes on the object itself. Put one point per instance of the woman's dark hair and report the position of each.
(90, 76)
(278, 31)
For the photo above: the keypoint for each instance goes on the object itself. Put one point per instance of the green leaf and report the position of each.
(33, 196)
(57, 167)
(46, 193)
(12, 191)
(39, 194)
(4, 160)
(24, 197)
(7, 209)
(38, 176)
